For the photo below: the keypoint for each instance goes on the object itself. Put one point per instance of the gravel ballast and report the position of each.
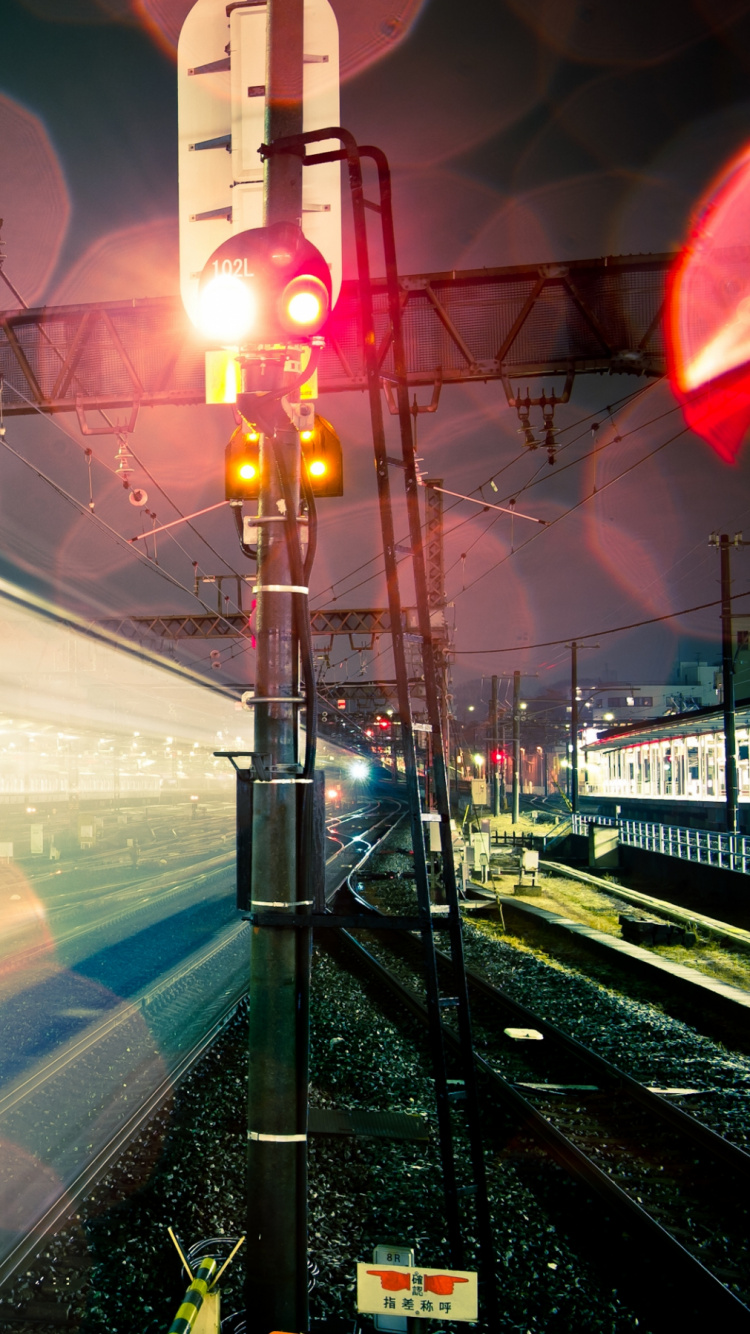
(115, 1267)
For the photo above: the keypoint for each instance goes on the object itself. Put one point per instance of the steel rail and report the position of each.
(75, 1192)
(704, 1292)
(731, 1155)
(71, 1196)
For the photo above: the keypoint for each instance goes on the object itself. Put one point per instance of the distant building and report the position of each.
(697, 686)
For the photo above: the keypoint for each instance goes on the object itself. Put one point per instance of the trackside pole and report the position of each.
(478, 1188)
(467, 1091)
(516, 798)
(276, 1256)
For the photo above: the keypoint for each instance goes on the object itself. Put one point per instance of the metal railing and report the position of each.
(730, 852)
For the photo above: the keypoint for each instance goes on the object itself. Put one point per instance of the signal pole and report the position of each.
(276, 1266)
(573, 767)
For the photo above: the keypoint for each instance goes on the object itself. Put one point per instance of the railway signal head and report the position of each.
(322, 457)
(242, 464)
(266, 285)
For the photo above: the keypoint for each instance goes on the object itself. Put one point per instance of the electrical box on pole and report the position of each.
(221, 78)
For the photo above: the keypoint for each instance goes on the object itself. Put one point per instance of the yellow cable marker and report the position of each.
(192, 1302)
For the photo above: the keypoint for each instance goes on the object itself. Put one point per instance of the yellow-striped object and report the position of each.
(194, 1297)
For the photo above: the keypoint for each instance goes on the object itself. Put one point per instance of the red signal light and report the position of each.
(304, 304)
(264, 285)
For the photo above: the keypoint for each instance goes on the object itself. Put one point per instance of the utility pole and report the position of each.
(276, 1272)
(573, 767)
(516, 745)
(435, 576)
(492, 761)
(574, 727)
(727, 675)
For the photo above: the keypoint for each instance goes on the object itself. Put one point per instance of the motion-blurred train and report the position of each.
(100, 738)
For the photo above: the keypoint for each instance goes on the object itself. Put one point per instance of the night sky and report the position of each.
(518, 131)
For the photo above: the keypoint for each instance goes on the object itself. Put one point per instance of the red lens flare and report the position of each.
(708, 315)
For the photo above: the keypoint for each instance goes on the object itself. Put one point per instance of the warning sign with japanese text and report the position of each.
(432, 1294)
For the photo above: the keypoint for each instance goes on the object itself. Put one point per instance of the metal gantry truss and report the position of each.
(600, 315)
(365, 623)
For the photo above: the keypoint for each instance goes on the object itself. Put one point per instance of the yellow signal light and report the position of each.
(321, 450)
(242, 465)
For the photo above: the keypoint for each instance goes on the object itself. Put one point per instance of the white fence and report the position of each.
(729, 851)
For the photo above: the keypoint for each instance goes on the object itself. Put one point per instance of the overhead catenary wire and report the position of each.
(618, 403)
(572, 508)
(105, 527)
(598, 491)
(113, 471)
(597, 634)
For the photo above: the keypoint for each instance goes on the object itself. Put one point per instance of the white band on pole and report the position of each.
(281, 588)
(276, 1139)
(273, 903)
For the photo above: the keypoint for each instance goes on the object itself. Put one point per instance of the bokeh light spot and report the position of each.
(140, 261)
(639, 33)
(35, 208)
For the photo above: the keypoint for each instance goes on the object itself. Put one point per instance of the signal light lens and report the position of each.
(248, 471)
(304, 308)
(306, 436)
(227, 309)
(304, 304)
(317, 468)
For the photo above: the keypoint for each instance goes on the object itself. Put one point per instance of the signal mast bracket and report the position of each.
(416, 408)
(113, 428)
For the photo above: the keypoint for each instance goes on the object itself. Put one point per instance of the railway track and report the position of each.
(71, 1115)
(674, 1189)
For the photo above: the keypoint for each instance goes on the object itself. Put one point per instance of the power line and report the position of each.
(111, 532)
(69, 436)
(616, 630)
(631, 397)
(566, 513)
